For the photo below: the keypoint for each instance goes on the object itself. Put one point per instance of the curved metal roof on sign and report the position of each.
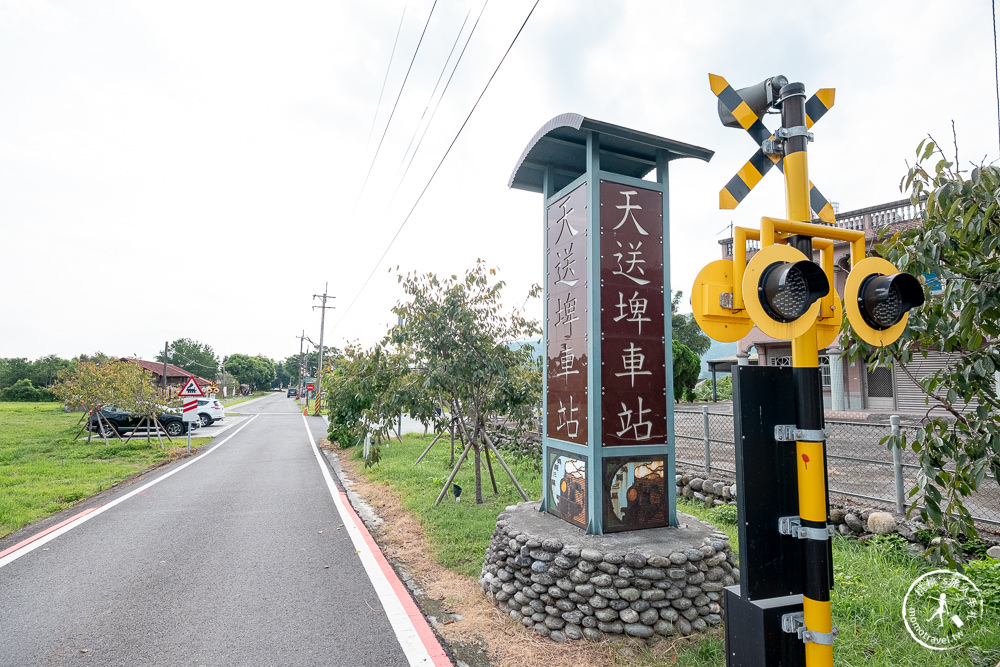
(562, 144)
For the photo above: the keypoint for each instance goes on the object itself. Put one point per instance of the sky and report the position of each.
(203, 169)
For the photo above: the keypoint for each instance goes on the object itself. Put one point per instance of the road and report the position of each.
(239, 557)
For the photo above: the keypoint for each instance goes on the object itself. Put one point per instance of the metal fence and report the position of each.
(858, 466)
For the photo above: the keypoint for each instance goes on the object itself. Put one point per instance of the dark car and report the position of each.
(292, 392)
(124, 422)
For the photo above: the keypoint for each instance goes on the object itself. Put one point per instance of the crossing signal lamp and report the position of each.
(780, 286)
(878, 299)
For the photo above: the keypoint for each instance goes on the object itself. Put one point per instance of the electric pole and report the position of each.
(322, 322)
(166, 346)
(302, 359)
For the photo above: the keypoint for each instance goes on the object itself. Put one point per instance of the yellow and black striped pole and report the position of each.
(810, 441)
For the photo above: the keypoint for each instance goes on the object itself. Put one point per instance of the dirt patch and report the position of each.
(476, 632)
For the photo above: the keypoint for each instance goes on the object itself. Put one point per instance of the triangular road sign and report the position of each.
(191, 388)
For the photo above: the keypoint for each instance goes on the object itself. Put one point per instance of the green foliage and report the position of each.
(123, 383)
(687, 368)
(985, 574)
(725, 515)
(257, 371)
(194, 357)
(364, 393)
(42, 372)
(24, 391)
(686, 330)
(723, 389)
(975, 547)
(924, 536)
(957, 244)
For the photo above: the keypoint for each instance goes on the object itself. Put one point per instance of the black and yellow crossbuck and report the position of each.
(740, 185)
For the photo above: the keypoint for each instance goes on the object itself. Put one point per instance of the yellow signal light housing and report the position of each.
(712, 307)
(765, 275)
(864, 297)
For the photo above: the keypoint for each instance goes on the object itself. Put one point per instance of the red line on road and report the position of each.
(24, 543)
(417, 617)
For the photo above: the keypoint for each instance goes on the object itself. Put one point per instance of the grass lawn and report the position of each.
(871, 579)
(457, 531)
(44, 469)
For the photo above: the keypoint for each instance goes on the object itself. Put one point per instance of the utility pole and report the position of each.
(302, 360)
(322, 322)
(166, 346)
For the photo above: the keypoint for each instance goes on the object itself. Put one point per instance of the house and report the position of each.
(176, 376)
(853, 387)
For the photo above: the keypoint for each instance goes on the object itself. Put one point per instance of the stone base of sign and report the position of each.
(552, 578)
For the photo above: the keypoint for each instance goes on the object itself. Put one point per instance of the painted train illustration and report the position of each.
(637, 496)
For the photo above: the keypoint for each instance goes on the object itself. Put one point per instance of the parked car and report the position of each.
(124, 421)
(210, 410)
(292, 392)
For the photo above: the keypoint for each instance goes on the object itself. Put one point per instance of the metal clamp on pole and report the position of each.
(795, 624)
(792, 525)
(791, 433)
(798, 131)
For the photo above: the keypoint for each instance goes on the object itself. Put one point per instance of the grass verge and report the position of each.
(870, 581)
(44, 469)
(871, 578)
(458, 532)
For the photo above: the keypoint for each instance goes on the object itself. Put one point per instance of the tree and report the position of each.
(257, 371)
(194, 357)
(687, 368)
(13, 370)
(453, 332)
(955, 248)
(686, 330)
(128, 386)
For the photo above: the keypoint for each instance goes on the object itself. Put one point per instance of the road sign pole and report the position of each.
(189, 437)
(809, 450)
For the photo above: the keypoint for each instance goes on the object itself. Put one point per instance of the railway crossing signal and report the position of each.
(783, 602)
(744, 108)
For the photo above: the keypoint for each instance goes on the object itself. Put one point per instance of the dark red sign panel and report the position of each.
(566, 317)
(633, 362)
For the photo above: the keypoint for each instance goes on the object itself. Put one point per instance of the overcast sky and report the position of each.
(195, 169)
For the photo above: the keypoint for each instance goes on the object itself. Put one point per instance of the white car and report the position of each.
(210, 410)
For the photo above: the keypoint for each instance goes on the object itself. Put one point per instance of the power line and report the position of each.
(443, 92)
(444, 68)
(388, 68)
(996, 63)
(436, 169)
(393, 113)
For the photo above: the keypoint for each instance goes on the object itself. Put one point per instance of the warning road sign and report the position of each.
(191, 388)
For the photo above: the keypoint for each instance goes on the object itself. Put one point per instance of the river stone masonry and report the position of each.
(551, 577)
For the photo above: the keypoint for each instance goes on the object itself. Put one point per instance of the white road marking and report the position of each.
(406, 633)
(11, 557)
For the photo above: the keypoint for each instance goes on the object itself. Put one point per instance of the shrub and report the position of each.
(985, 574)
(723, 389)
(24, 391)
(724, 514)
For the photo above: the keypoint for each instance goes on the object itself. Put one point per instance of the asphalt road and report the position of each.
(238, 559)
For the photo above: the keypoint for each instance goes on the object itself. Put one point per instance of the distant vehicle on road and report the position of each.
(292, 392)
(210, 410)
(124, 422)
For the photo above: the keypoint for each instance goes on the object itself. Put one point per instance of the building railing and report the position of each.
(877, 217)
(868, 219)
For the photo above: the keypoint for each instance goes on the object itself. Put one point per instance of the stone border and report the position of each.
(565, 591)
